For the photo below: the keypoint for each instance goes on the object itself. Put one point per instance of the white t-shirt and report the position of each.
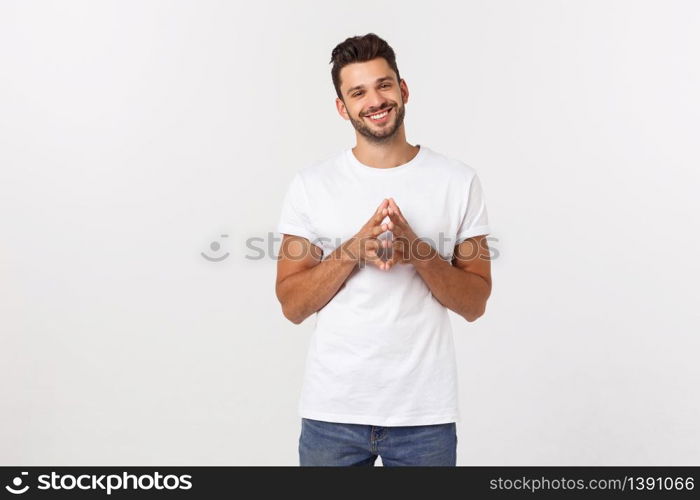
(382, 350)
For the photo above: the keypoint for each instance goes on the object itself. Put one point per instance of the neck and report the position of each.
(385, 155)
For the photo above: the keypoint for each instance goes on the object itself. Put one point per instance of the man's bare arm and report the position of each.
(306, 283)
(462, 286)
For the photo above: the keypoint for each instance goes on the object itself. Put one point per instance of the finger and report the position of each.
(399, 249)
(380, 213)
(395, 224)
(394, 206)
(389, 256)
(389, 263)
(367, 246)
(372, 257)
(377, 230)
(372, 244)
(377, 261)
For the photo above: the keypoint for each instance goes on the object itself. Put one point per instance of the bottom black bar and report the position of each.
(433, 482)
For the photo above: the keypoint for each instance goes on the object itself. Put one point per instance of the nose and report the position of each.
(376, 102)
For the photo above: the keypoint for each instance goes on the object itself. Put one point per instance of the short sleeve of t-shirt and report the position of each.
(475, 219)
(295, 211)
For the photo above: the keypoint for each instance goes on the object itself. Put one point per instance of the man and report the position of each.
(364, 249)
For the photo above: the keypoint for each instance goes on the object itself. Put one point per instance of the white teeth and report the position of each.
(379, 116)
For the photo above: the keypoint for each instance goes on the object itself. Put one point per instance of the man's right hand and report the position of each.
(364, 246)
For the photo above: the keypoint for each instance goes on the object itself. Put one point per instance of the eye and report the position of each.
(356, 94)
(386, 85)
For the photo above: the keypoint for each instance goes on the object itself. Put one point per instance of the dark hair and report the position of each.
(360, 49)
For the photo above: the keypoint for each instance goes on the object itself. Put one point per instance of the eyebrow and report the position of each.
(378, 80)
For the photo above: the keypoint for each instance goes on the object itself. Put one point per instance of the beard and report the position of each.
(380, 134)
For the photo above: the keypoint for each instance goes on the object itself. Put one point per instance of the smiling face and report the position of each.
(373, 100)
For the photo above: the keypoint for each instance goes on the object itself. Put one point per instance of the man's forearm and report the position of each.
(306, 292)
(460, 291)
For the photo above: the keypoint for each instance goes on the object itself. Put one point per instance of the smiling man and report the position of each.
(379, 242)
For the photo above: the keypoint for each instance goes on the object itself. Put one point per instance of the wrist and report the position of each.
(422, 253)
(348, 252)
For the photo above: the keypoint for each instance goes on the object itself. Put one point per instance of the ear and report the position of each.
(342, 110)
(404, 90)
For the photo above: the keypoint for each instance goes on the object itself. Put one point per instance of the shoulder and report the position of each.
(320, 168)
(454, 168)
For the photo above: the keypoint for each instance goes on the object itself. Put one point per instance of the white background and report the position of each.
(134, 134)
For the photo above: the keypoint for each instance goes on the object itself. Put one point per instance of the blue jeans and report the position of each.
(337, 444)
